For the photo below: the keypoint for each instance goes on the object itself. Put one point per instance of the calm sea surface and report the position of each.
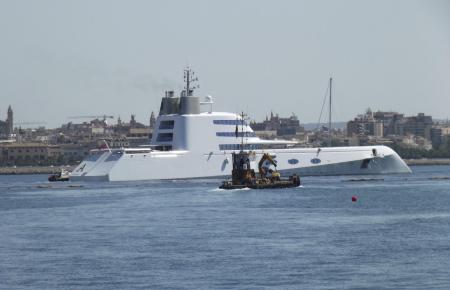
(190, 235)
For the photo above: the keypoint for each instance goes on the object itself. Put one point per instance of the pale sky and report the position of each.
(65, 58)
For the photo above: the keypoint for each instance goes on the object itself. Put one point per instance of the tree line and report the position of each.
(443, 151)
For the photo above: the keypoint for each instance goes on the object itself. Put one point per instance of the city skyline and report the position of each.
(61, 59)
(149, 123)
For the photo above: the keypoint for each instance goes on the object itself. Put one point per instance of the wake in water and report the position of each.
(247, 188)
(230, 190)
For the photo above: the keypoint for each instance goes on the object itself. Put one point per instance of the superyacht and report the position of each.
(191, 141)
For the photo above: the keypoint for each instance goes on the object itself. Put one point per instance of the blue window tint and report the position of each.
(293, 161)
(315, 161)
(223, 147)
(94, 157)
(229, 122)
(233, 134)
(113, 157)
(168, 124)
(164, 137)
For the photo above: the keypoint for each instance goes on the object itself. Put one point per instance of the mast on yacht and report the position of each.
(329, 115)
(189, 79)
(242, 130)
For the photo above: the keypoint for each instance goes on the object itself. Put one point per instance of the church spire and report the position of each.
(152, 120)
(9, 121)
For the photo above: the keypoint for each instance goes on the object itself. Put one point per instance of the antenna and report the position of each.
(329, 115)
(189, 79)
(242, 115)
(242, 131)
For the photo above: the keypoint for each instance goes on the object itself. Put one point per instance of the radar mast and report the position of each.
(190, 81)
(241, 121)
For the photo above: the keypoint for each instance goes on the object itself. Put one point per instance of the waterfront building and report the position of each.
(419, 125)
(139, 136)
(382, 124)
(34, 153)
(440, 134)
(23, 154)
(117, 142)
(445, 130)
(436, 137)
(122, 134)
(7, 126)
(365, 125)
(390, 121)
(418, 142)
(282, 126)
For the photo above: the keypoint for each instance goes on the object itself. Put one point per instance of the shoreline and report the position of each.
(31, 170)
(428, 161)
(24, 170)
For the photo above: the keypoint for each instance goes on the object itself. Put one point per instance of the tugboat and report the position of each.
(61, 176)
(243, 176)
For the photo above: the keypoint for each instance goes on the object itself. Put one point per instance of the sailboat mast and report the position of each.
(329, 115)
(242, 131)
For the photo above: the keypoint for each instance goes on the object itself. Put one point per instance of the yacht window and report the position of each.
(163, 148)
(293, 161)
(223, 147)
(233, 134)
(168, 124)
(137, 151)
(164, 137)
(229, 122)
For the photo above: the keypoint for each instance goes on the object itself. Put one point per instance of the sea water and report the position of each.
(191, 235)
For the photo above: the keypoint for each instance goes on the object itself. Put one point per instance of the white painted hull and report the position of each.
(117, 166)
(199, 145)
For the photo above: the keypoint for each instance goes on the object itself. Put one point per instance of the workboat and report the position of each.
(243, 176)
(63, 175)
(190, 140)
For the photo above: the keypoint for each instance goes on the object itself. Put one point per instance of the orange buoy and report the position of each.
(354, 198)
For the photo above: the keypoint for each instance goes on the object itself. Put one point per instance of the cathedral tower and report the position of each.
(9, 122)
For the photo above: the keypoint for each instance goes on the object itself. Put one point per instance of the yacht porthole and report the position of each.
(293, 161)
(315, 161)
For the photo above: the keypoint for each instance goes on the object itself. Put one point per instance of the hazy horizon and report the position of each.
(68, 58)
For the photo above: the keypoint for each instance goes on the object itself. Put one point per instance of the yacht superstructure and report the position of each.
(190, 143)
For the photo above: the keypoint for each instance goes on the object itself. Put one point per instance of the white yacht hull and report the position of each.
(188, 143)
(116, 165)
